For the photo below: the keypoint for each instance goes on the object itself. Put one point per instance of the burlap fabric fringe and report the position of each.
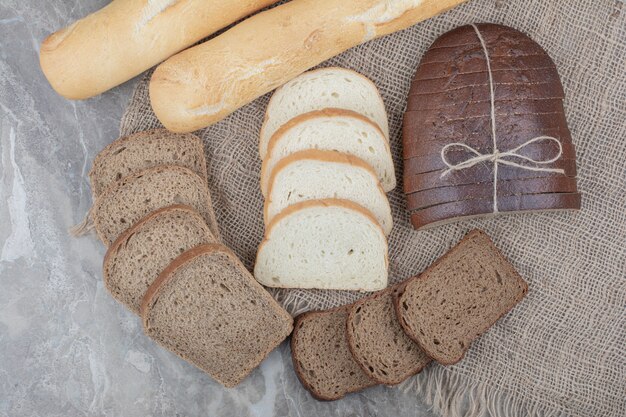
(561, 352)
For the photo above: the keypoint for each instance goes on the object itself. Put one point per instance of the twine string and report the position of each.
(496, 156)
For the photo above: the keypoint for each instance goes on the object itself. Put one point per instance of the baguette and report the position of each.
(204, 84)
(127, 37)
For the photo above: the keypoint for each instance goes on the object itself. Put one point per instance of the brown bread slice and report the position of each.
(322, 358)
(139, 255)
(483, 207)
(434, 196)
(378, 342)
(130, 154)
(459, 297)
(207, 308)
(134, 196)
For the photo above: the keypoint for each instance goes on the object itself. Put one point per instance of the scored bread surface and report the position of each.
(140, 254)
(331, 130)
(344, 248)
(378, 342)
(323, 88)
(321, 357)
(459, 297)
(315, 175)
(136, 195)
(207, 308)
(133, 153)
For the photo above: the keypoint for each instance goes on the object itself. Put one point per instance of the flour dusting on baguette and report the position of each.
(152, 9)
(383, 12)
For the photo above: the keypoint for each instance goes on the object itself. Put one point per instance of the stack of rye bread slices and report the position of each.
(450, 102)
(152, 209)
(393, 334)
(326, 168)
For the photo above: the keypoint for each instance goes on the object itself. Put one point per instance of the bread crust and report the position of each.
(127, 37)
(324, 113)
(115, 247)
(424, 275)
(296, 365)
(331, 111)
(144, 135)
(352, 344)
(435, 196)
(466, 209)
(167, 275)
(193, 89)
(104, 196)
(317, 155)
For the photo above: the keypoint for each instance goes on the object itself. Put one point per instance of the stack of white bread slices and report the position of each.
(326, 168)
(165, 262)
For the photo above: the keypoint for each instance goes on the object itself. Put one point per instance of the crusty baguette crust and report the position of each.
(204, 84)
(127, 37)
(324, 113)
(318, 155)
(296, 365)
(166, 276)
(115, 247)
(424, 275)
(352, 345)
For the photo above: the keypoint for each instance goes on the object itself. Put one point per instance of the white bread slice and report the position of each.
(319, 89)
(326, 244)
(316, 175)
(333, 130)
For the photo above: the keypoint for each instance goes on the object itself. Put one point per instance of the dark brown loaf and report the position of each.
(377, 341)
(482, 174)
(321, 357)
(434, 196)
(450, 103)
(451, 212)
(459, 297)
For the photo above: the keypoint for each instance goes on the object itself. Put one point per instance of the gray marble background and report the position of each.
(66, 347)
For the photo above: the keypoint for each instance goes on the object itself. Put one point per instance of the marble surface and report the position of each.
(66, 347)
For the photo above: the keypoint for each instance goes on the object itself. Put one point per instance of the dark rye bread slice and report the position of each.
(434, 196)
(130, 154)
(322, 358)
(459, 297)
(481, 174)
(377, 341)
(139, 255)
(483, 207)
(207, 308)
(128, 200)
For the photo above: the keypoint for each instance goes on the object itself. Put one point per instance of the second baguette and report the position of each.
(204, 84)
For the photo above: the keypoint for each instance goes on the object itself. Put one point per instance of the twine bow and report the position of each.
(496, 156)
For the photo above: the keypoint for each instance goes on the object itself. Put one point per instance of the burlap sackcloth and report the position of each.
(562, 351)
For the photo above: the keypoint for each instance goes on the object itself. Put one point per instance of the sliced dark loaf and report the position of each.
(134, 196)
(207, 308)
(130, 154)
(322, 358)
(378, 342)
(465, 209)
(459, 297)
(442, 195)
(139, 255)
(481, 174)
